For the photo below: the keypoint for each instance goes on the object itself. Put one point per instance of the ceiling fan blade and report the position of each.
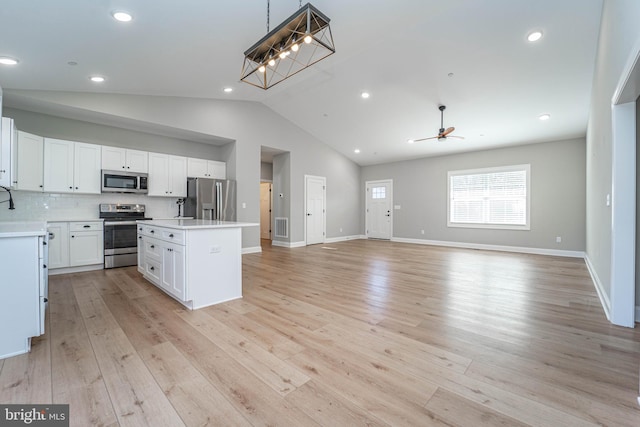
(448, 131)
(424, 139)
(454, 136)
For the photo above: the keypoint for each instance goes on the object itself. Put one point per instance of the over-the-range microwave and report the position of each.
(124, 182)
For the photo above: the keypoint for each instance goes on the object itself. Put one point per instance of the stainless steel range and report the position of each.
(120, 234)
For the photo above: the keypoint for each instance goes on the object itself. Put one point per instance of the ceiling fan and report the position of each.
(443, 134)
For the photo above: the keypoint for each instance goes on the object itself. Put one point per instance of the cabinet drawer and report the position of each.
(152, 250)
(153, 271)
(85, 226)
(173, 236)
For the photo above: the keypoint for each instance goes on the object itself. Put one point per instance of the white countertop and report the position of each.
(189, 224)
(22, 228)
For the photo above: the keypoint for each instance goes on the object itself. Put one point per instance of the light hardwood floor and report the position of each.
(353, 333)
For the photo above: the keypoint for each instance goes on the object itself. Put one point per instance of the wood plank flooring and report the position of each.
(355, 333)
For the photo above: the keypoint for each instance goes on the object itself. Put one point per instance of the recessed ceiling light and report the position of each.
(365, 95)
(97, 79)
(544, 117)
(534, 36)
(72, 63)
(410, 141)
(121, 16)
(356, 151)
(228, 89)
(5, 60)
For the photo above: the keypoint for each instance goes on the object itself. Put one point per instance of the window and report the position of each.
(378, 192)
(490, 198)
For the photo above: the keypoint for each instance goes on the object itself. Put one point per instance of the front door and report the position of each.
(378, 215)
(314, 209)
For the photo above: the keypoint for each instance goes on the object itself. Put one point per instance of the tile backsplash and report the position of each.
(33, 206)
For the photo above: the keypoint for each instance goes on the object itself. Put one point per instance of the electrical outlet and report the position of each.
(558, 239)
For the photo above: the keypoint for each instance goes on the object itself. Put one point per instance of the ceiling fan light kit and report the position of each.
(297, 43)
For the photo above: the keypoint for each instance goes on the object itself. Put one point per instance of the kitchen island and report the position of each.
(198, 262)
(23, 285)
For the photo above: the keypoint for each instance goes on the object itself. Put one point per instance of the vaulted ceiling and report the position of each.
(410, 55)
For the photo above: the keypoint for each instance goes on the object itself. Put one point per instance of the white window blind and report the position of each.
(490, 198)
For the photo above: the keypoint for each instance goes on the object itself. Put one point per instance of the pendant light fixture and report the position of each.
(300, 41)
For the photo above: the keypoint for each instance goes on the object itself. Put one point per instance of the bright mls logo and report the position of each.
(34, 415)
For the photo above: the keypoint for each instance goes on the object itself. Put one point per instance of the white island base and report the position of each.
(197, 262)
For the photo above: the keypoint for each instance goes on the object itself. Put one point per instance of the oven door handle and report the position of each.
(119, 223)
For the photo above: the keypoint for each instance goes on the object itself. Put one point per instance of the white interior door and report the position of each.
(315, 201)
(265, 210)
(379, 209)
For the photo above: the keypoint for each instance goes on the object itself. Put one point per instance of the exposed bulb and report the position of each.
(262, 69)
(308, 39)
(272, 62)
(283, 54)
(295, 47)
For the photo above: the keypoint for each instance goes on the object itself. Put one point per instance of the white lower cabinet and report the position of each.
(173, 274)
(164, 262)
(58, 244)
(75, 244)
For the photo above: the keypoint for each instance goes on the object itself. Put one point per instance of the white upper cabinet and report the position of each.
(71, 167)
(167, 175)
(7, 144)
(200, 168)
(27, 162)
(114, 158)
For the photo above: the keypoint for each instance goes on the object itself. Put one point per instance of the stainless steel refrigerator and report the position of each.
(211, 199)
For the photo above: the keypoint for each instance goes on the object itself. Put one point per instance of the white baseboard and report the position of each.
(518, 249)
(65, 270)
(287, 244)
(253, 250)
(604, 298)
(343, 238)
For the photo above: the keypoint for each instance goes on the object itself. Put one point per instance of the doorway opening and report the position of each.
(265, 210)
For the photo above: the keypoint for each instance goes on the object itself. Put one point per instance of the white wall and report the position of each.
(557, 195)
(618, 35)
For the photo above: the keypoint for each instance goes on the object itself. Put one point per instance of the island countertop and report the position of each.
(22, 228)
(191, 224)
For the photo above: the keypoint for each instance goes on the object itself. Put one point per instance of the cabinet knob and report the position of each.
(76, 188)
(151, 231)
(151, 268)
(122, 167)
(139, 237)
(39, 185)
(171, 235)
(73, 237)
(86, 226)
(46, 299)
(44, 265)
(128, 167)
(70, 188)
(152, 246)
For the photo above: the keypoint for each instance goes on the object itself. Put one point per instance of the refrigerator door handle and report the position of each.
(218, 200)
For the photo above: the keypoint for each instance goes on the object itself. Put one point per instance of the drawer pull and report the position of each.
(171, 235)
(139, 237)
(151, 231)
(151, 268)
(152, 246)
(86, 226)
